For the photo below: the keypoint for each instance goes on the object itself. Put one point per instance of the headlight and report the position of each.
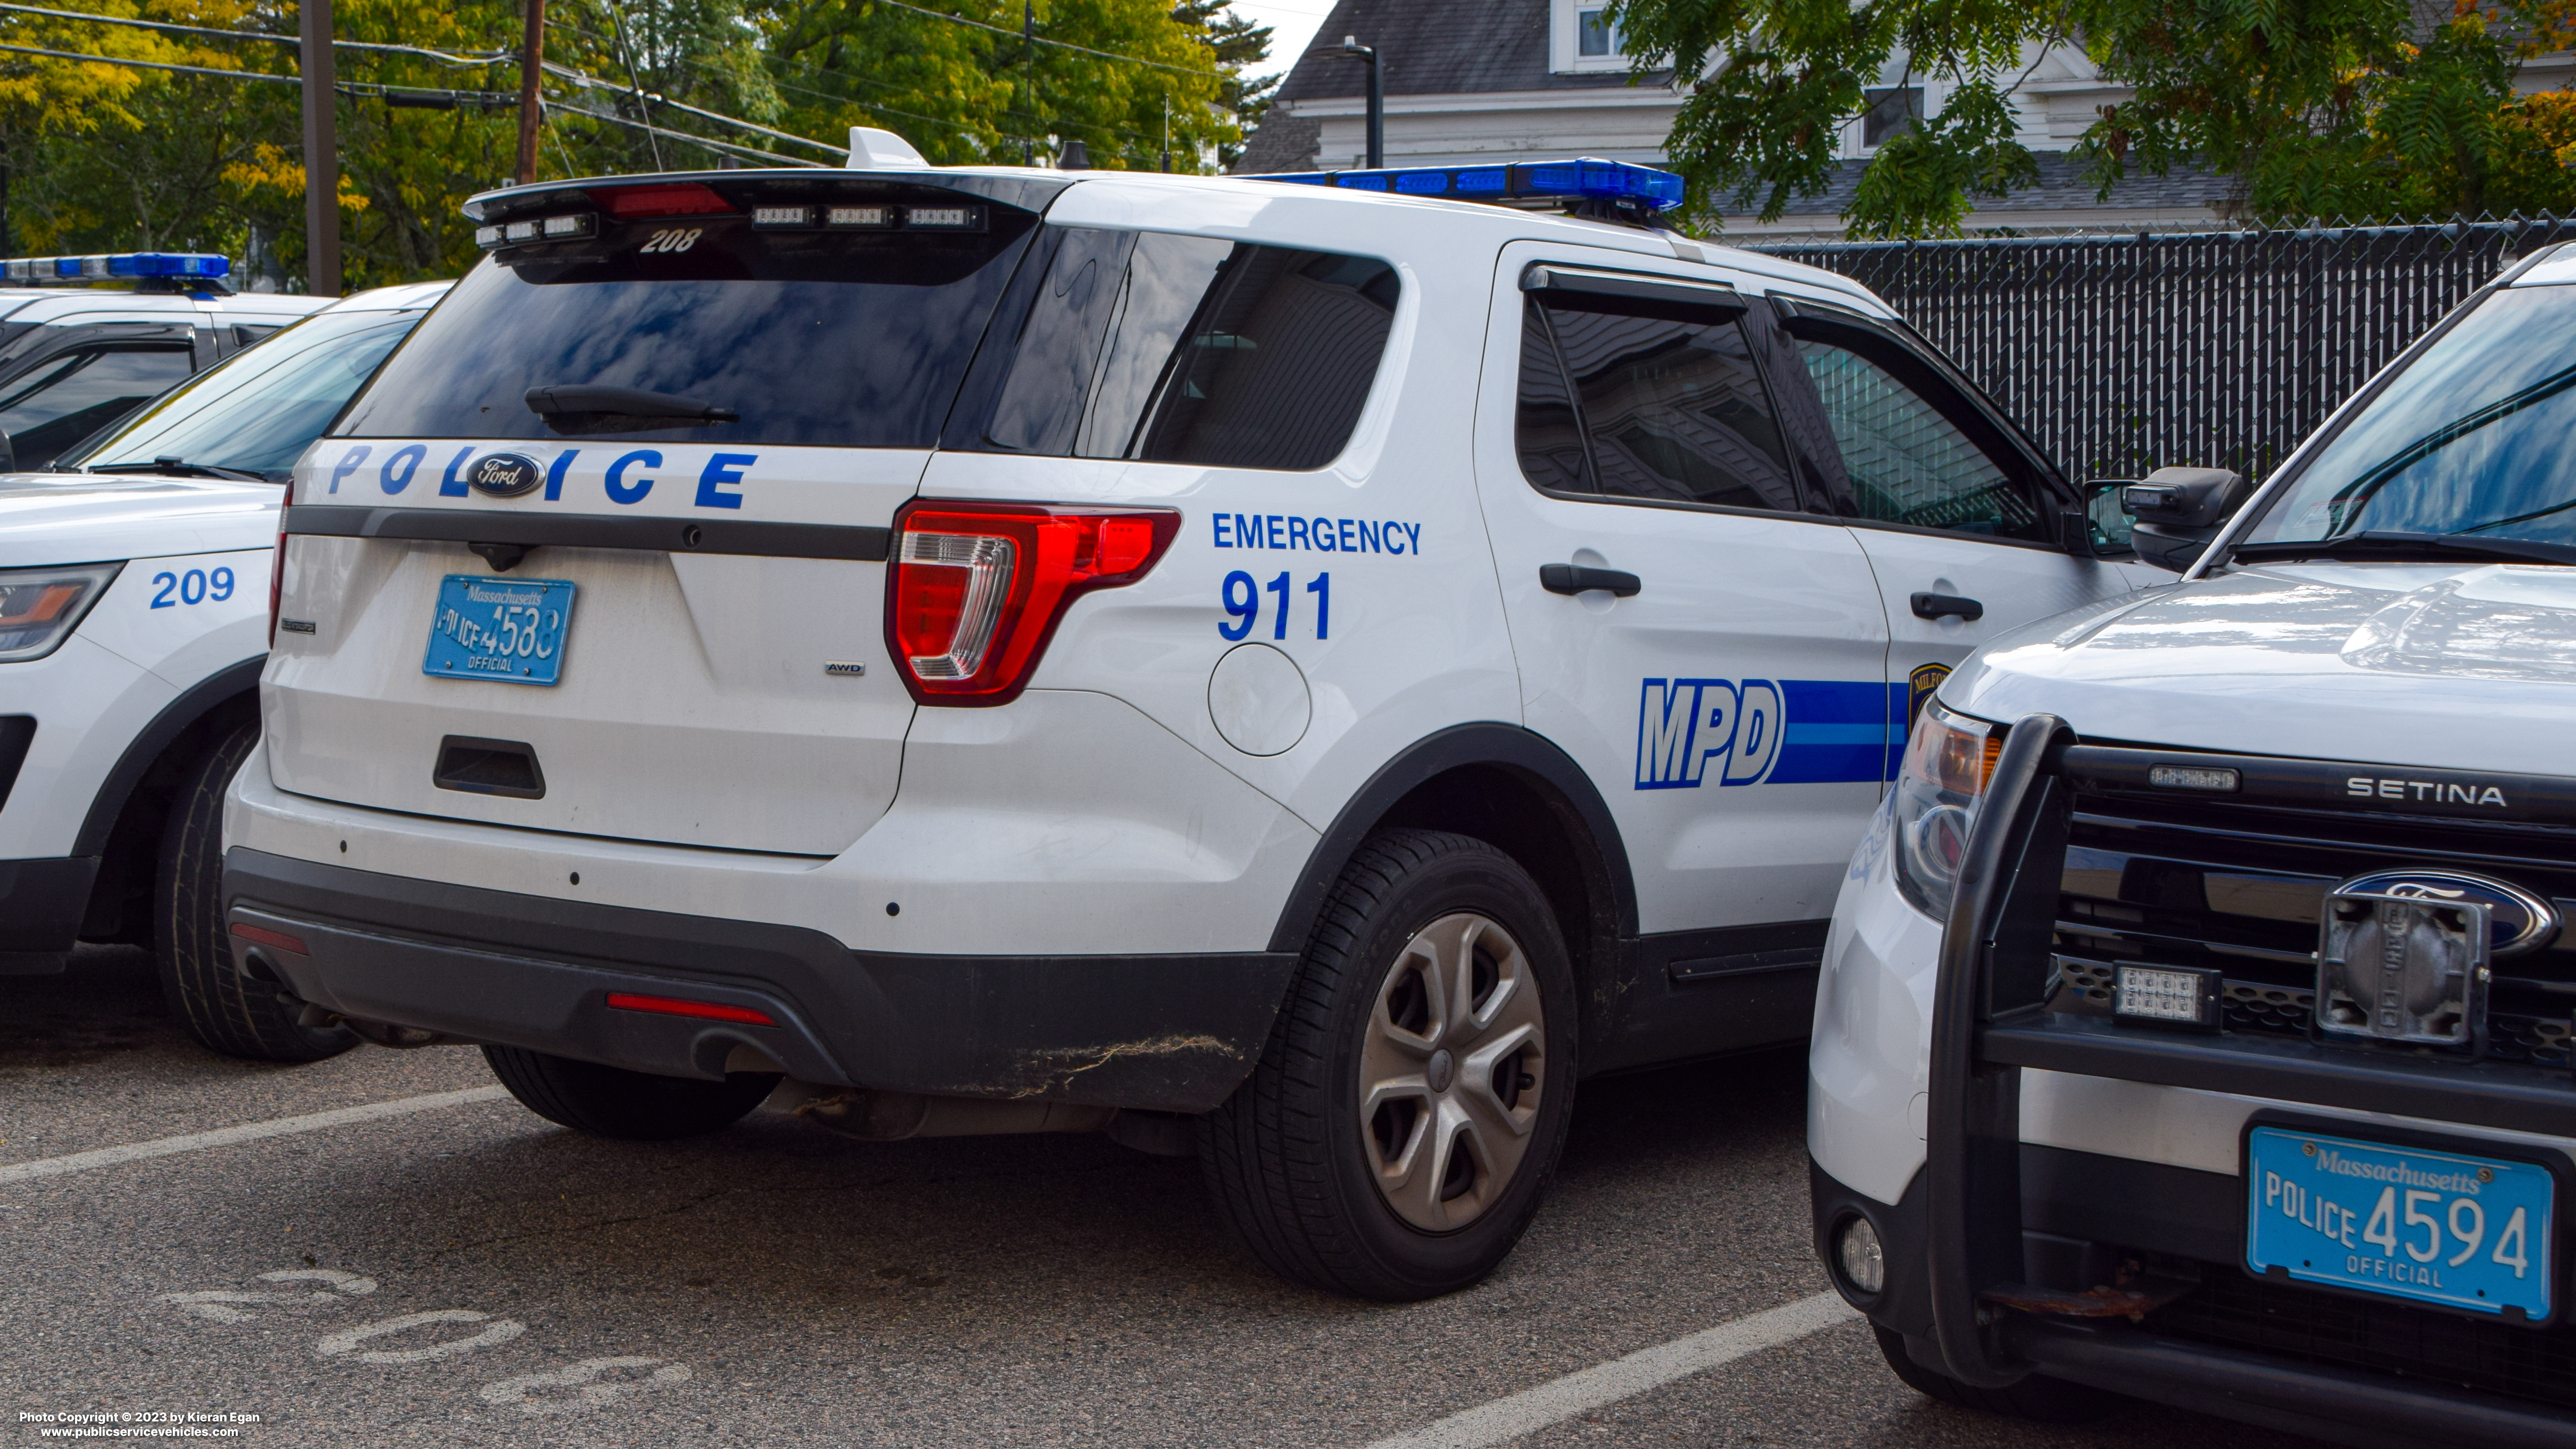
(39, 608)
(1947, 764)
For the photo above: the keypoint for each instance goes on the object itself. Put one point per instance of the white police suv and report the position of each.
(1018, 650)
(2195, 1022)
(133, 618)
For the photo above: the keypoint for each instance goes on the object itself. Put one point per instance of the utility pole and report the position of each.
(1028, 79)
(321, 151)
(1376, 99)
(532, 64)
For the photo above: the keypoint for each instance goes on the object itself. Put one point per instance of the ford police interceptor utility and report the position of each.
(2195, 1022)
(133, 618)
(1016, 650)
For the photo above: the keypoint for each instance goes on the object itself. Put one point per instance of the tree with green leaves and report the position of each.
(2314, 108)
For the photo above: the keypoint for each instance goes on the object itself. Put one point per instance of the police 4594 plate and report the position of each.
(510, 630)
(2437, 1227)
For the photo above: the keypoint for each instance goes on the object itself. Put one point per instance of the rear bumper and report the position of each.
(1167, 1033)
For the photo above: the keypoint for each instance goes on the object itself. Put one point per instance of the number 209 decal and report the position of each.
(195, 586)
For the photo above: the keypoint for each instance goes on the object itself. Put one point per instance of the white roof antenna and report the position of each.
(872, 149)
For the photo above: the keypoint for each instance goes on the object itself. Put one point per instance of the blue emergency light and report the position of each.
(1580, 179)
(127, 265)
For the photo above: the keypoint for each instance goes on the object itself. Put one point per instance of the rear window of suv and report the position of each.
(814, 333)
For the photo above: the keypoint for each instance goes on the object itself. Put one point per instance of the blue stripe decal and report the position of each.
(1837, 733)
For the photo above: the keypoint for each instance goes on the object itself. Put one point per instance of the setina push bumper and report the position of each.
(2208, 1290)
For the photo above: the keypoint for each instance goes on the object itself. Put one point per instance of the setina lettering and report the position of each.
(1300, 533)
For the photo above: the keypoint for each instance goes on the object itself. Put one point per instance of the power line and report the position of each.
(154, 64)
(708, 142)
(592, 82)
(1042, 40)
(496, 58)
(421, 96)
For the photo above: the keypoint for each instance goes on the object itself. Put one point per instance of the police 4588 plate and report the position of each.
(2464, 1231)
(510, 630)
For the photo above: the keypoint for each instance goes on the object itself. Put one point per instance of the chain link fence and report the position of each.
(2122, 353)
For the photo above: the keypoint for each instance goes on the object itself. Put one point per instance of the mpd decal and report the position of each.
(1692, 732)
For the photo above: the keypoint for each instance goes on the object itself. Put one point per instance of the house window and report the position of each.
(1583, 38)
(1892, 112)
(1594, 35)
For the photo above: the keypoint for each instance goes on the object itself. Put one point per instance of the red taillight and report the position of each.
(977, 588)
(263, 936)
(684, 199)
(673, 1006)
(276, 576)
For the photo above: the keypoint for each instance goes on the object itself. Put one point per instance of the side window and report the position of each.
(1666, 407)
(1179, 349)
(1909, 460)
(67, 398)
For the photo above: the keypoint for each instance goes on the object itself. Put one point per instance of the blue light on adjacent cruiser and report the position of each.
(25, 270)
(1579, 179)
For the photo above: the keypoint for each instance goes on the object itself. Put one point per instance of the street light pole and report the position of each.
(321, 152)
(1376, 99)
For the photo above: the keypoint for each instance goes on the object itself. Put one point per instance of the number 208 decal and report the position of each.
(196, 586)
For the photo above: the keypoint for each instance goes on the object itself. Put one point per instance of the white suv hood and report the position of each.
(65, 518)
(2397, 663)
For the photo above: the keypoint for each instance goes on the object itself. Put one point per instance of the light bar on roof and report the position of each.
(1579, 179)
(113, 265)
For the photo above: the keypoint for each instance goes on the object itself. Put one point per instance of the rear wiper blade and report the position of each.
(578, 408)
(2371, 546)
(178, 468)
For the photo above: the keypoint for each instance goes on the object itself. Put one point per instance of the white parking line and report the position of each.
(247, 1132)
(1557, 1400)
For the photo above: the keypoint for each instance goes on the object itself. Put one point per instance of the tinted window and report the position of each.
(258, 411)
(1910, 462)
(1672, 408)
(848, 339)
(66, 398)
(1176, 349)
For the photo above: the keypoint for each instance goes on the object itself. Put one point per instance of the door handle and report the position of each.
(1577, 578)
(1942, 606)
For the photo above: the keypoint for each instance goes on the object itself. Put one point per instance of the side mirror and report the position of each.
(2179, 510)
(2100, 529)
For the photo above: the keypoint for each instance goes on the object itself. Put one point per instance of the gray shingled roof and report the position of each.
(1429, 47)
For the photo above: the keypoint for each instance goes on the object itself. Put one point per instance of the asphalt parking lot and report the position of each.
(467, 1273)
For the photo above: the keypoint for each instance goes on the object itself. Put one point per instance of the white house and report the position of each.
(1477, 80)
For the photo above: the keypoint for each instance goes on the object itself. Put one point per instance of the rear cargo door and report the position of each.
(601, 550)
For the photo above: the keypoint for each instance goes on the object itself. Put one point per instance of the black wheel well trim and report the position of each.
(193, 704)
(1488, 743)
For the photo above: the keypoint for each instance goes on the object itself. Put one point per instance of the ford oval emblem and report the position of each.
(2518, 920)
(506, 475)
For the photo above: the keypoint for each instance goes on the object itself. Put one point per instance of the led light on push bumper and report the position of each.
(2167, 996)
(977, 588)
(39, 608)
(1947, 763)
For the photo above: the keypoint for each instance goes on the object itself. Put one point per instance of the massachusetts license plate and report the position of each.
(504, 629)
(2437, 1227)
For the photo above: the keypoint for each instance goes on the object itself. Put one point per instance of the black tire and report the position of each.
(630, 1106)
(2038, 1398)
(225, 1011)
(1287, 1156)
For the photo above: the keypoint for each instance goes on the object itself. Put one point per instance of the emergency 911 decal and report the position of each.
(1692, 732)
